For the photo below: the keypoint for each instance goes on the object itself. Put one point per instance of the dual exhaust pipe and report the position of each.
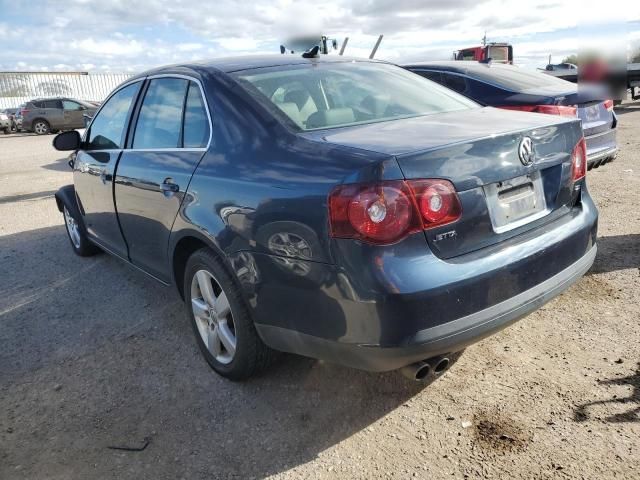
(427, 370)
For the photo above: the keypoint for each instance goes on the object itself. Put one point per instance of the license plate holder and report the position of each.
(516, 202)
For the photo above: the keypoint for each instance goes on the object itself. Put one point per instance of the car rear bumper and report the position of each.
(380, 309)
(445, 338)
(601, 146)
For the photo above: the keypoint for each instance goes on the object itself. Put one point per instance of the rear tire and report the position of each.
(224, 331)
(41, 127)
(80, 243)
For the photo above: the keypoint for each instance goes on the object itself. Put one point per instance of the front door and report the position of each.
(171, 136)
(95, 165)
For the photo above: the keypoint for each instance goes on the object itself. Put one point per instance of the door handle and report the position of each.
(169, 187)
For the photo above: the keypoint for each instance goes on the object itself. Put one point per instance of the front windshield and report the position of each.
(326, 95)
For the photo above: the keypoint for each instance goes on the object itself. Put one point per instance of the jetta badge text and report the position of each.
(525, 151)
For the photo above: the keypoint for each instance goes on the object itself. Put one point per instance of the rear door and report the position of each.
(72, 112)
(95, 165)
(53, 113)
(171, 135)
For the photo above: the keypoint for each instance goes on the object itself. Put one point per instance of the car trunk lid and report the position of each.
(478, 151)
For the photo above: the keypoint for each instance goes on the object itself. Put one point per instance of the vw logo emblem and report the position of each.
(525, 151)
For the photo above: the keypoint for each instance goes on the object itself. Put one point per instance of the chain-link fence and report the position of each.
(18, 87)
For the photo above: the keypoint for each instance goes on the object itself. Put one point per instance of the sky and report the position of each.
(122, 36)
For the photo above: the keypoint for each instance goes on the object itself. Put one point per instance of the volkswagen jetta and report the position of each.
(346, 210)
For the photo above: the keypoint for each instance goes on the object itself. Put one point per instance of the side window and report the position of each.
(70, 105)
(196, 123)
(107, 129)
(456, 83)
(38, 104)
(53, 104)
(160, 120)
(431, 75)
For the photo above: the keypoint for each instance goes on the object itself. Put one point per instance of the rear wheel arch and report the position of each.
(183, 249)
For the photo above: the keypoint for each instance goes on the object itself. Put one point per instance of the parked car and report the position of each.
(50, 115)
(5, 122)
(342, 209)
(17, 117)
(11, 113)
(552, 67)
(510, 87)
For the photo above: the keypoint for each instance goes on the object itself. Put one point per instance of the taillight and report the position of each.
(386, 212)
(608, 104)
(437, 202)
(562, 110)
(24, 111)
(579, 160)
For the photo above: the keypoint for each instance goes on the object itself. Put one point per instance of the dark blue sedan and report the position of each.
(342, 209)
(511, 87)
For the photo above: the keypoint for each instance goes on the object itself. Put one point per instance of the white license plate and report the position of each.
(516, 202)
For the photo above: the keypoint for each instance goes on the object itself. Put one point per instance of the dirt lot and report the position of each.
(94, 355)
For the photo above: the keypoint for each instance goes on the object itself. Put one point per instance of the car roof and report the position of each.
(459, 66)
(249, 62)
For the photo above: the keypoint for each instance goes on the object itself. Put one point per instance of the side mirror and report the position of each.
(66, 141)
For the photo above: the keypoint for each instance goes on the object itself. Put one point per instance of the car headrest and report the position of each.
(299, 97)
(292, 111)
(376, 104)
(330, 118)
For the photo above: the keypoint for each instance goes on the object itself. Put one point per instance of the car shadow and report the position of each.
(96, 355)
(582, 413)
(27, 196)
(628, 107)
(617, 252)
(60, 165)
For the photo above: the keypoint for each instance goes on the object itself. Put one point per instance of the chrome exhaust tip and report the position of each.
(427, 370)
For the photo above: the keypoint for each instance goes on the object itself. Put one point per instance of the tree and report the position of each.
(571, 59)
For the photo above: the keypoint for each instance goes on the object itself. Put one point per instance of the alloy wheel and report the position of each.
(40, 128)
(72, 228)
(213, 316)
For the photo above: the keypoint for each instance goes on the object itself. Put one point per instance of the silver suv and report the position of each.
(50, 115)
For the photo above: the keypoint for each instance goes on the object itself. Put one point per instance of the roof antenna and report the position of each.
(312, 53)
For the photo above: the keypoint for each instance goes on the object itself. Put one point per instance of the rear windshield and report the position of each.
(516, 79)
(326, 95)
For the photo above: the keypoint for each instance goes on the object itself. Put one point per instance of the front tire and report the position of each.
(220, 319)
(41, 127)
(80, 243)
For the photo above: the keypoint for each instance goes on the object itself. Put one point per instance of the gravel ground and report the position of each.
(94, 355)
